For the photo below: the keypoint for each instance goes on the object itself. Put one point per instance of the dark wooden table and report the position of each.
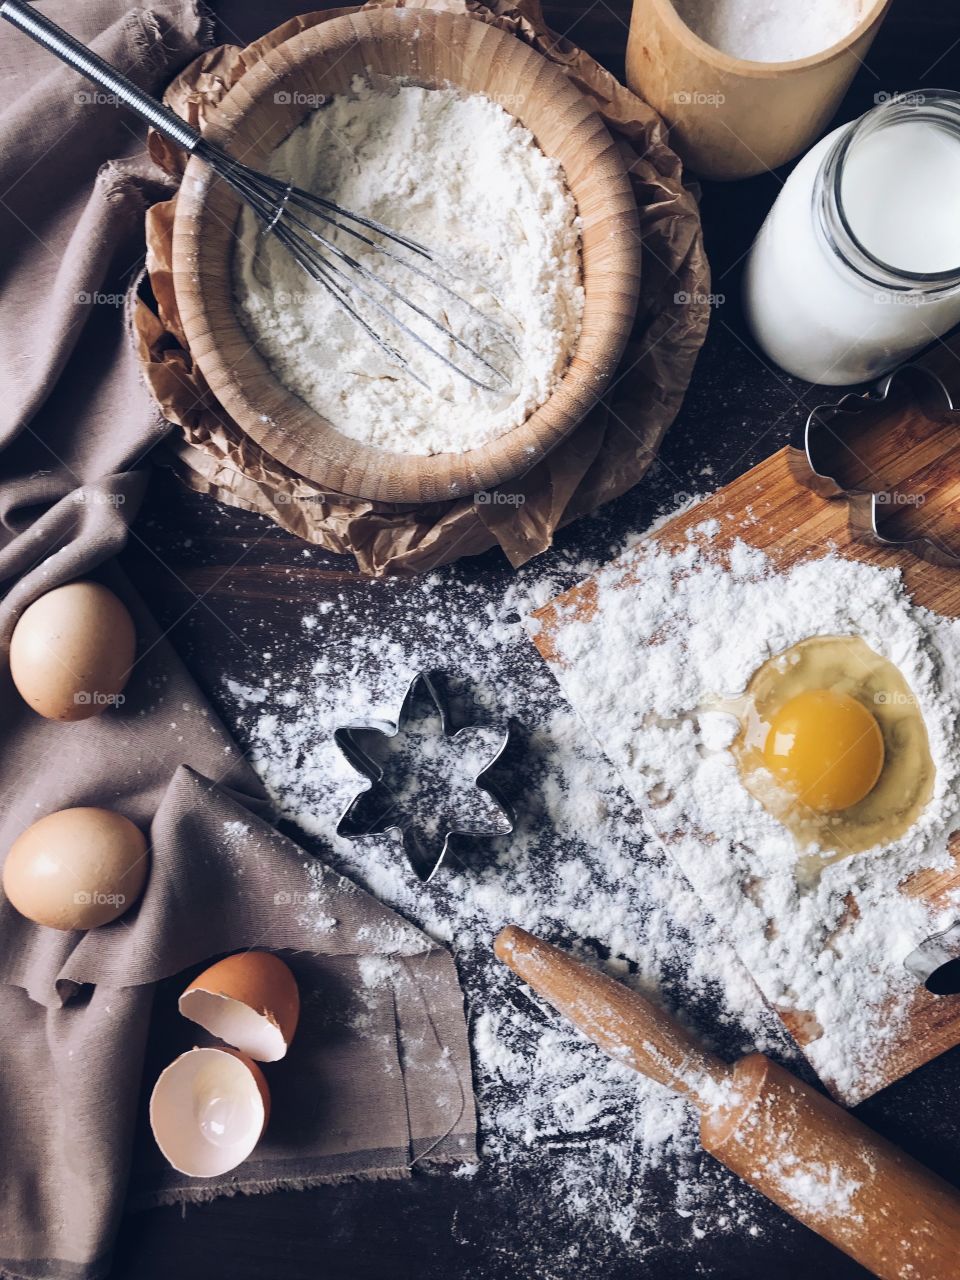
(253, 579)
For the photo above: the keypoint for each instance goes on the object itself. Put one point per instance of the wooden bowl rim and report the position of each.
(369, 472)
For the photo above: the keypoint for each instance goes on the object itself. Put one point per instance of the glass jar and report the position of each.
(857, 266)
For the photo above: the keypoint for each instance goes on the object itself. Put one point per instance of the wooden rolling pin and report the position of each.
(800, 1149)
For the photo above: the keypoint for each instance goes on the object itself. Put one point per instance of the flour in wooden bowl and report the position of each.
(459, 174)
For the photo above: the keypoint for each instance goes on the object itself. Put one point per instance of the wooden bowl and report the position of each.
(266, 104)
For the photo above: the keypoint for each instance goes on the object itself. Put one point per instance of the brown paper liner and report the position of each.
(604, 456)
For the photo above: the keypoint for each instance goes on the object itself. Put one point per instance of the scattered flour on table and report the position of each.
(459, 174)
(770, 30)
(677, 628)
(581, 868)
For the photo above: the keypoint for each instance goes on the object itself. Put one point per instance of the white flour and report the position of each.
(770, 30)
(692, 628)
(580, 869)
(461, 175)
(818, 1189)
(619, 1154)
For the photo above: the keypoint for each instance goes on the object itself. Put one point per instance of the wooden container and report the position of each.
(432, 49)
(730, 117)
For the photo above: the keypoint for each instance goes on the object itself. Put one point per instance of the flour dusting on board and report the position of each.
(673, 631)
(581, 869)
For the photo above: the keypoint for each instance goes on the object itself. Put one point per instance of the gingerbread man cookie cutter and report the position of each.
(935, 381)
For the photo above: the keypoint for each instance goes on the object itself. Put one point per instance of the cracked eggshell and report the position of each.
(208, 1111)
(249, 1000)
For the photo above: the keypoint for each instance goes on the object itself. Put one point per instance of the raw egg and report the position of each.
(826, 748)
(250, 1000)
(208, 1110)
(76, 869)
(833, 744)
(72, 650)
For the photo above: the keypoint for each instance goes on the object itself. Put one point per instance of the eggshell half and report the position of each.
(208, 1111)
(72, 650)
(249, 1000)
(76, 869)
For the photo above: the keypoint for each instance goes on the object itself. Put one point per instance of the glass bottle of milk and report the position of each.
(857, 265)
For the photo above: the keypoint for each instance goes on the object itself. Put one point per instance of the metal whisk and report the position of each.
(303, 222)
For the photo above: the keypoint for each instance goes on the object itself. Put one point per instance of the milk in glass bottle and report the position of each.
(857, 265)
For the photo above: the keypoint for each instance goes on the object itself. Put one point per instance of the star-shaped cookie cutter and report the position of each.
(354, 824)
(867, 508)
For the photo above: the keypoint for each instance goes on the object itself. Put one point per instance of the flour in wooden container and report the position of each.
(459, 174)
(770, 30)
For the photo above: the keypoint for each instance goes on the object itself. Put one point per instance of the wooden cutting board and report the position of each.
(891, 447)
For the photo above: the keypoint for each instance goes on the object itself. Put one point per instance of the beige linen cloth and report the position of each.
(379, 1073)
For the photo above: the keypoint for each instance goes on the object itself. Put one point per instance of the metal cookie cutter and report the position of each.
(375, 811)
(936, 382)
(936, 962)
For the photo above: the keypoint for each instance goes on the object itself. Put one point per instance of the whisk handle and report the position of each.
(76, 55)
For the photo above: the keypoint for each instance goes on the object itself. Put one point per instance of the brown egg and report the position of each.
(72, 650)
(250, 1000)
(208, 1110)
(76, 869)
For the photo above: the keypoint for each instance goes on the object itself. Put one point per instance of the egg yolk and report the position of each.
(826, 748)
